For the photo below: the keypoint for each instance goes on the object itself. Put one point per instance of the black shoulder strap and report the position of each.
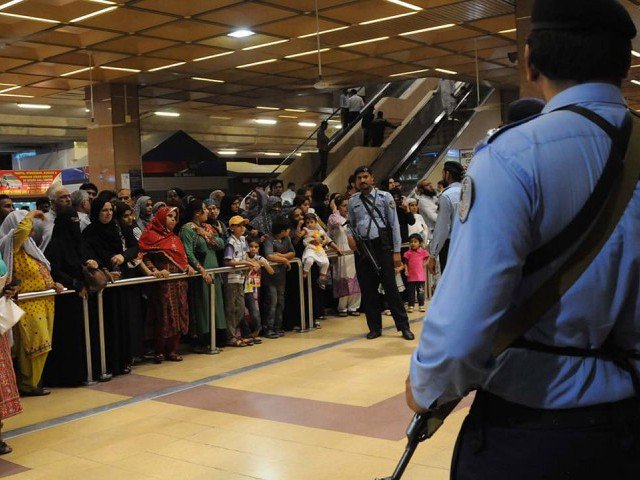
(560, 244)
(367, 206)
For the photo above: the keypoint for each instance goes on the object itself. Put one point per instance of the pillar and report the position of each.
(113, 135)
(523, 26)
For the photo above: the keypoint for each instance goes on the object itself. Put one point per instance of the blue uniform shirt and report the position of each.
(362, 222)
(529, 184)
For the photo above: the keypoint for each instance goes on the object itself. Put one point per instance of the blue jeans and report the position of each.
(276, 306)
(254, 314)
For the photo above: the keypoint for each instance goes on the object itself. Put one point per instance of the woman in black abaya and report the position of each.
(66, 364)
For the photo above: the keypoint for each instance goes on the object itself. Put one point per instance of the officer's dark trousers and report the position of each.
(369, 280)
(444, 255)
(500, 440)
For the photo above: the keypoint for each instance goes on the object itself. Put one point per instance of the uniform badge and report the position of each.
(466, 198)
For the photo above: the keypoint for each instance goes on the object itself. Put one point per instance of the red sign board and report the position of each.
(27, 183)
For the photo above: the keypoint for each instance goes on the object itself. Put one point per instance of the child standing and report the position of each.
(420, 226)
(252, 285)
(278, 249)
(415, 259)
(315, 240)
(236, 255)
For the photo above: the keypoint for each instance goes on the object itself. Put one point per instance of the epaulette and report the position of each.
(506, 128)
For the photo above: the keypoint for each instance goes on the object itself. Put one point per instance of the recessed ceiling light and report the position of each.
(429, 29)
(265, 44)
(272, 154)
(309, 52)
(334, 121)
(80, 70)
(287, 116)
(371, 40)
(93, 14)
(409, 73)
(406, 5)
(635, 82)
(87, 110)
(27, 17)
(212, 80)
(34, 106)
(167, 114)
(510, 30)
(104, 2)
(166, 66)
(216, 55)
(322, 32)
(8, 4)
(449, 72)
(635, 54)
(265, 121)
(227, 152)
(9, 89)
(384, 19)
(295, 110)
(241, 33)
(267, 108)
(271, 60)
(15, 95)
(307, 124)
(121, 69)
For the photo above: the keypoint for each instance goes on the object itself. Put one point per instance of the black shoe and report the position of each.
(272, 334)
(354, 313)
(372, 335)
(343, 314)
(36, 392)
(408, 334)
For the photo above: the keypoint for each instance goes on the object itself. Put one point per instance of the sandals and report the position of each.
(4, 448)
(174, 357)
(235, 342)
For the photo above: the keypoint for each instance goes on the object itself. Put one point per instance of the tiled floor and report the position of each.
(317, 405)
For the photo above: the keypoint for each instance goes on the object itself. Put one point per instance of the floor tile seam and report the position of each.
(180, 388)
(208, 466)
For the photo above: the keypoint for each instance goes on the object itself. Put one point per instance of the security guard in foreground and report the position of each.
(373, 222)
(560, 404)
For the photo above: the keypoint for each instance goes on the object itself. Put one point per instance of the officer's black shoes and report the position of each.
(408, 334)
(376, 334)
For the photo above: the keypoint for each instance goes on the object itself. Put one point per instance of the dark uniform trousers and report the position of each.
(369, 281)
(500, 440)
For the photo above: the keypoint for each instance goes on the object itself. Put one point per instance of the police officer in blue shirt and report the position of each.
(373, 220)
(551, 407)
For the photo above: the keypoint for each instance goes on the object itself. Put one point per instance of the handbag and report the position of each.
(95, 278)
(10, 314)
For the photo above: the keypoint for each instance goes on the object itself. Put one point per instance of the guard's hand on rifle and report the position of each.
(411, 402)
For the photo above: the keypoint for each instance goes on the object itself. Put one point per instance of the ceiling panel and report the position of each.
(247, 14)
(134, 45)
(186, 30)
(366, 10)
(127, 21)
(182, 7)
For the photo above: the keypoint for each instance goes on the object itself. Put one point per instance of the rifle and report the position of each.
(363, 248)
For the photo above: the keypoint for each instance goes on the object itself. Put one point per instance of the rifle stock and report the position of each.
(363, 248)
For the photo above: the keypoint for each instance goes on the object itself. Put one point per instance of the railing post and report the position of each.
(312, 321)
(104, 376)
(301, 289)
(87, 341)
(213, 349)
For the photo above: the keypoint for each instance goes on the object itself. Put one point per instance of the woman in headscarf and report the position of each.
(263, 222)
(157, 206)
(34, 332)
(107, 247)
(143, 213)
(9, 397)
(163, 254)
(201, 241)
(67, 253)
(229, 207)
(213, 207)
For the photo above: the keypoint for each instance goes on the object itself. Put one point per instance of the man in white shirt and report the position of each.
(289, 194)
(344, 107)
(356, 104)
(59, 197)
(427, 204)
(80, 201)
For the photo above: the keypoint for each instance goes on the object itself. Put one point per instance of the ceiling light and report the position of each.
(104, 2)
(307, 124)
(384, 19)
(287, 116)
(80, 70)
(87, 110)
(241, 33)
(307, 53)
(334, 121)
(449, 72)
(322, 32)
(8, 4)
(272, 154)
(635, 54)
(27, 17)
(510, 30)
(371, 40)
(409, 73)
(268, 108)
(265, 121)
(216, 117)
(94, 14)
(14, 87)
(15, 95)
(208, 57)
(166, 66)
(635, 82)
(429, 29)
(406, 5)
(34, 106)
(212, 80)
(167, 114)
(122, 69)
(295, 110)
(271, 60)
(337, 127)
(265, 44)
(227, 152)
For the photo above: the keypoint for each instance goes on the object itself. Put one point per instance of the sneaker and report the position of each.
(410, 309)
